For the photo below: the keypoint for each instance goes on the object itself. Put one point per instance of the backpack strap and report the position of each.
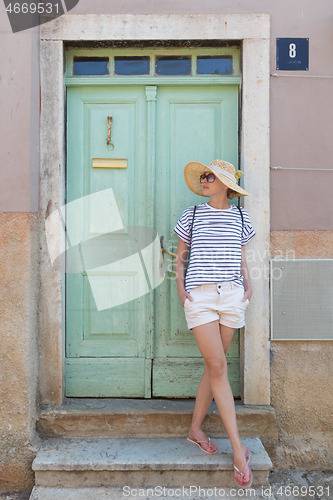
(192, 224)
(241, 214)
(189, 253)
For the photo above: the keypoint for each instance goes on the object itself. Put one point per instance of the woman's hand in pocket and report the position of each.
(247, 295)
(185, 295)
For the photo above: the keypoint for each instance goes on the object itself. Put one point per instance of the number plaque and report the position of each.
(292, 54)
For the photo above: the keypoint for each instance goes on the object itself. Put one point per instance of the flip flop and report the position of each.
(198, 443)
(242, 474)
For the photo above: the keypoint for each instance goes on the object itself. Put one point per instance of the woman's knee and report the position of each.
(216, 367)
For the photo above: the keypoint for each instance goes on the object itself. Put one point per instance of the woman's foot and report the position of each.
(242, 471)
(200, 438)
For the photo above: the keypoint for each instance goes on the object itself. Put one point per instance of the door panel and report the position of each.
(99, 201)
(192, 124)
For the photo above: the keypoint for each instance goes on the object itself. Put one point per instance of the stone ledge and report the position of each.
(276, 479)
(141, 462)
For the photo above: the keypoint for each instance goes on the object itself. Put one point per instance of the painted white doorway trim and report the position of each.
(253, 30)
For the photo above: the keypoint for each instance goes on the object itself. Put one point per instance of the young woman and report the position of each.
(215, 293)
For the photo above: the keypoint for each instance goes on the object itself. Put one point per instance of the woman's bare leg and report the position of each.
(216, 366)
(203, 401)
(204, 394)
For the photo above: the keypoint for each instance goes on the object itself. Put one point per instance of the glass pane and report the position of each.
(90, 65)
(173, 65)
(214, 65)
(135, 65)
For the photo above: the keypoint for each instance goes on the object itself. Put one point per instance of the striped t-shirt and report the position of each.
(216, 243)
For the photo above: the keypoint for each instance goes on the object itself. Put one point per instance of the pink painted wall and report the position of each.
(301, 107)
(19, 123)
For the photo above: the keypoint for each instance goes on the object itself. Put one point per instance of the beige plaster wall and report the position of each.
(301, 393)
(302, 375)
(18, 353)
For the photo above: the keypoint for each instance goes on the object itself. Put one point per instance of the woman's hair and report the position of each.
(232, 194)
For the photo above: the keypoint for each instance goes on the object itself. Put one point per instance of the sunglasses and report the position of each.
(210, 177)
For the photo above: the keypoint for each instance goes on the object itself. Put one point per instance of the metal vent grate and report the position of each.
(302, 299)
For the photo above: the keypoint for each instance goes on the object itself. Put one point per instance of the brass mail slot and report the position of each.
(109, 163)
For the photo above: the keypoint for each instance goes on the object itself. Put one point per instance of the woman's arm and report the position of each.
(245, 273)
(180, 268)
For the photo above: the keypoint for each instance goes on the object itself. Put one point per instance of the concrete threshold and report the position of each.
(85, 417)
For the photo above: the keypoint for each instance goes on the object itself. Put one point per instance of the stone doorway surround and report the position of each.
(253, 30)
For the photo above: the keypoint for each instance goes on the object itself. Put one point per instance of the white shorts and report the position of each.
(216, 301)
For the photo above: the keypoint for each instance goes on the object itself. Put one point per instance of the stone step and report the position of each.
(113, 493)
(141, 462)
(87, 417)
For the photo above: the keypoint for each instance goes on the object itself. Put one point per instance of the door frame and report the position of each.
(253, 31)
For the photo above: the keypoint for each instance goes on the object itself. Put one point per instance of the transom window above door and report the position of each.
(153, 63)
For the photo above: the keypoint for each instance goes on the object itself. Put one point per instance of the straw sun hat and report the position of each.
(223, 170)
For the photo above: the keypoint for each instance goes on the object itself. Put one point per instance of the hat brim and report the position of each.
(194, 169)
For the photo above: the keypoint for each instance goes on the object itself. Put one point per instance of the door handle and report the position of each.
(108, 142)
(165, 251)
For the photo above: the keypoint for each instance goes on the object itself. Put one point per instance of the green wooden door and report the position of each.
(193, 123)
(139, 347)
